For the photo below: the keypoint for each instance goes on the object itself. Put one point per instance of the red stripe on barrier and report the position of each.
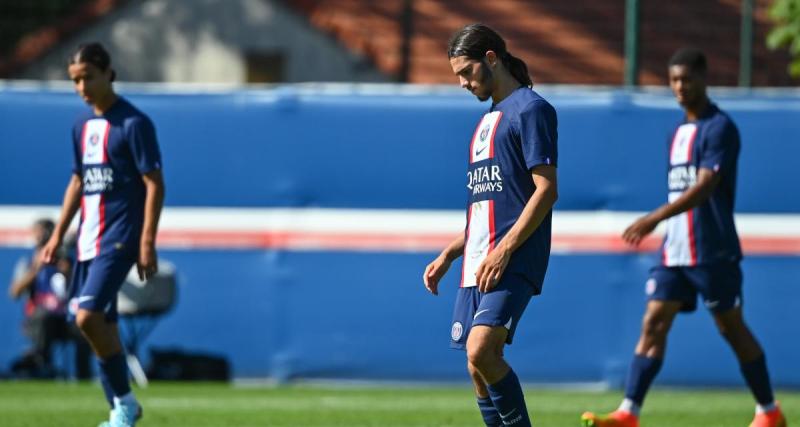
(301, 240)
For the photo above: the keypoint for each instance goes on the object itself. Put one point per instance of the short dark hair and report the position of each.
(48, 226)
(690, 57)
(92, 53)
(474, 40)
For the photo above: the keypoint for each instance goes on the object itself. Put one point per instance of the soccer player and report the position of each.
(701, 250)
(511, 186)
(117, 183)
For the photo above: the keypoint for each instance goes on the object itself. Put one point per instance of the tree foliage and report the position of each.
(786, 33)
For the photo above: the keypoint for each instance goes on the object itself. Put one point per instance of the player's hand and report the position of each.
(636, 232)
(491, 269)
(147, 265)
(434, 273)
(48, 252)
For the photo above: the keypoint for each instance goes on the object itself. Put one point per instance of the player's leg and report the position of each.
(753, 365)
(650, 350)
(491, 417)
(668, 294)
(485, 353)
(83, 355)
(721, 286)
(493, 326)
(467, 301)
(97, 320)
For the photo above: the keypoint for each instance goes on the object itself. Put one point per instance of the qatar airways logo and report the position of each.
(98, 179)
(682, 177)
(485, 179)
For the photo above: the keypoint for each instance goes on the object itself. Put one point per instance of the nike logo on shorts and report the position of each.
(479, 313)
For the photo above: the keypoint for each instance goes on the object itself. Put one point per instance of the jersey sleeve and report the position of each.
(77, 158)
(143, 144)
(721, 148)
(538, 129)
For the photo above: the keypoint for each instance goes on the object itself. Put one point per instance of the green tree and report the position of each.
(786, 14)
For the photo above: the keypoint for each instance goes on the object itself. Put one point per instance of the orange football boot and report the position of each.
(614, 419)
(773, 418)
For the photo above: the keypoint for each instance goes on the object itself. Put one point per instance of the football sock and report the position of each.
(509, 400)
(489, 413)
(642, 372)
(762, 409)
(757, 378)
(106, 388)
(115, 371)
(629, 406)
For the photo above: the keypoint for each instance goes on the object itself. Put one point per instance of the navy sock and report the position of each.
(509, 400)
(757, 377)
(106, 388)
(642, 372)
(489, 413)
(114, 371)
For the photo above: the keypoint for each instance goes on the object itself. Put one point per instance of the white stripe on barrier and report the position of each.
(394, 230)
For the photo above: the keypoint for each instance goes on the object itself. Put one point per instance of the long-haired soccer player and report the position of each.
(117, 184)
(701, 250)
(511, 186)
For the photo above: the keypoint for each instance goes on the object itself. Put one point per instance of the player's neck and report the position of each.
(104, 104)
(693, 112)
(506, 84)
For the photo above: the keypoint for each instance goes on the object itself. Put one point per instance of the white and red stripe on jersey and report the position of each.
(680, 248)
(480, 233)
(94, 144)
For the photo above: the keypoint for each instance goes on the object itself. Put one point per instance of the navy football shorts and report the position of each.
(95, 283)
(719, 284)
(502, 306)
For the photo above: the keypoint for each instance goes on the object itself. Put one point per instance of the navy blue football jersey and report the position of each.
(112, 152)
(513, 137)
(707, 233)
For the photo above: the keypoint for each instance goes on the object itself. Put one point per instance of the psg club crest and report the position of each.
(94, 139)
(456, 331)
(650, 286)
(484, 133)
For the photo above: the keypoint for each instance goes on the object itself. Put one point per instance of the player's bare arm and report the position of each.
(707, 180)
(70, 205)
(26, 281)
(438, 267)
(537, 208)
(147, 264)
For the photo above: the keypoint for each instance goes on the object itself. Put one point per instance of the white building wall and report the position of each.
(205, 41)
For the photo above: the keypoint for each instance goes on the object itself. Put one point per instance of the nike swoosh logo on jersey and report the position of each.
(478, 152)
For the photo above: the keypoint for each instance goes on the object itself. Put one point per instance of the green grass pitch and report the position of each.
(203, 404)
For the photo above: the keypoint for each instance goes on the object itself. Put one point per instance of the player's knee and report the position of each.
(730, 324)
(480, 354)
(86, 321)
(655, 326)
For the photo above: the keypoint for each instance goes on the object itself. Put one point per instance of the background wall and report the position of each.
(210, 41)
(343, 313)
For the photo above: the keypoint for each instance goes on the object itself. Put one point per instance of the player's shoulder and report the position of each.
(83, 117)
(718, 121)
(528, 102)
(132, 116)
